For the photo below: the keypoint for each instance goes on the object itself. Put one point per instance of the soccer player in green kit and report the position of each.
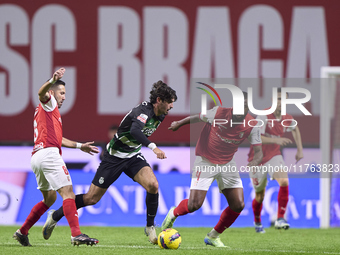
(123, 154)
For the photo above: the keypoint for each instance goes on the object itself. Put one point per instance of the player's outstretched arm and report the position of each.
(297, 138)
(175, 125)
(136, 132)
(85, 147)
(43, 91)
(282, 141)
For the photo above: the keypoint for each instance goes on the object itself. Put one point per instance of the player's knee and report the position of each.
(283, 182)
(194, 205)
(259, 197)
(237, 207)
(91, 200)
(152, 187)
(50, 199)
(240, 206)
(53, 197)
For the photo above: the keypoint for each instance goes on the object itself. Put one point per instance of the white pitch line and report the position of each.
(228, 249)
(186, 248)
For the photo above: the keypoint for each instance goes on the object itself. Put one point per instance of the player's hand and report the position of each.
(160, 154)
(59, 74)
(90, 149)
(174, 126)
(282, 141)
(298, 156)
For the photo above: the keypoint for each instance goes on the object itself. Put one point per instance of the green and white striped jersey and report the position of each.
(124, 145)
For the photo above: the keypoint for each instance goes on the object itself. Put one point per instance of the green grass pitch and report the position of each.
(128, 240)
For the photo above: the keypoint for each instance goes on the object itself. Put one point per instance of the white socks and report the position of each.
(213, 233)
(172, 216)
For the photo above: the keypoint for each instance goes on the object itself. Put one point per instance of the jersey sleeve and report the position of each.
(262, 119)
(50, 104)
(137, 133)
(255, 136)
(209, 117)
(140, 116)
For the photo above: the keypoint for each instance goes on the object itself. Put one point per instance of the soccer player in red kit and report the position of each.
(271, 134)
(216, 147)
(47, 164)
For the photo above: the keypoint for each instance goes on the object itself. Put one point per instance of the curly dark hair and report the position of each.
(163, 91)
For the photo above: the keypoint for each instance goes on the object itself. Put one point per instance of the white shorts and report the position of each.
(50, 170)
(205, 172)
(259, 178)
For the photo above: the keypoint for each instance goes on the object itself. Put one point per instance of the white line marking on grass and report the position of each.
(183, 248)
(282, 251)
(149, 247)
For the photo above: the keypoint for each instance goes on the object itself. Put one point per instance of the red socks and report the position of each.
(282, 199)
(257, 208)
(71, 214)
(35, 214)
(227, 218)
(182, 208)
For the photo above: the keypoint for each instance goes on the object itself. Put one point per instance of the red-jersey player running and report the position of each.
(215, 150)
(47, 164)
(271, 134)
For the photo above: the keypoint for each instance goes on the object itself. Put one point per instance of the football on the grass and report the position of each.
(169, 239)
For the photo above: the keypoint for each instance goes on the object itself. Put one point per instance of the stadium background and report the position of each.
(114, 50)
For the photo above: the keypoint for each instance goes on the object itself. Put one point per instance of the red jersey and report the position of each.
(219, 143)
(272, 128)
(47, 126)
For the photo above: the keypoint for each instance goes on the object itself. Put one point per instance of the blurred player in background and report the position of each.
(110, 134)
(216, 146)
(123, 154)
(271, 134)
(112, 131)
(47, 163)
(92, 165)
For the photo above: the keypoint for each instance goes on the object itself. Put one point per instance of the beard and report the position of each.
(239, 117)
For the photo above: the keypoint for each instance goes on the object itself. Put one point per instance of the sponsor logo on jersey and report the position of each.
(221, 126)
(142, 117)
(233, 141)
(148, 131)
(156, 124)
(38, 146)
